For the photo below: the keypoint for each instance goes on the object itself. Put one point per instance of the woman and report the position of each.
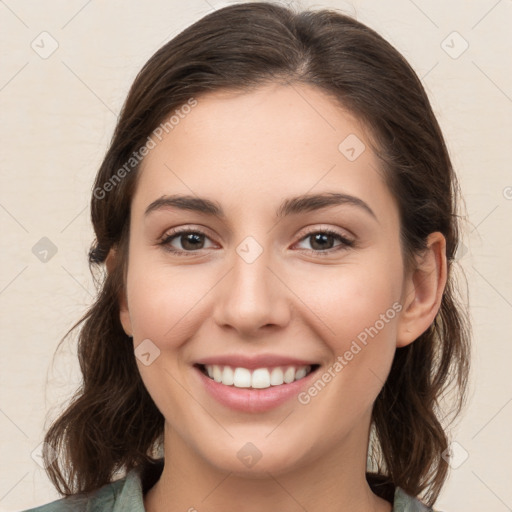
(277, 324)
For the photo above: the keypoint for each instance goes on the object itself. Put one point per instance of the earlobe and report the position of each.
(124, 314)
(110, 260)
(124, 317)
(423, 291)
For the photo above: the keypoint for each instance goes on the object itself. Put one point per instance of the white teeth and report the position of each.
(276, 377)
(217, 373)
(289, 374)
(260, 378)
(300, 373)
(242, 378)
(228, 376)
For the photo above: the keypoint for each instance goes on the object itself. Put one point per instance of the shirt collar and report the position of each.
(137, 482)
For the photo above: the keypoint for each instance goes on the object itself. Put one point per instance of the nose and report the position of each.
(252, 297)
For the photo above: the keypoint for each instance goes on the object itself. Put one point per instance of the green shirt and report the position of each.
(126, 495)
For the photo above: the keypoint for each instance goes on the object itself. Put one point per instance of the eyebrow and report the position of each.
(290, 206)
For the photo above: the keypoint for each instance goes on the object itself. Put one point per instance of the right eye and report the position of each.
(190, 240)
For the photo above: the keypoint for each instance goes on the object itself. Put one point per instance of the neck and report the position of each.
(332, 482)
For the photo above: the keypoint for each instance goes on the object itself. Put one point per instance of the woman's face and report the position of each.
(263, 286)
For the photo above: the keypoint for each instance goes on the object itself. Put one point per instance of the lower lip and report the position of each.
(253, 400)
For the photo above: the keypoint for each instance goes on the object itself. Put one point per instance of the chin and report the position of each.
(253, 459)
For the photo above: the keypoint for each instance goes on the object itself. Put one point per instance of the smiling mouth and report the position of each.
(259, 378)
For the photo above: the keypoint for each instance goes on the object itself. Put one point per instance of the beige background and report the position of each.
(58, 114)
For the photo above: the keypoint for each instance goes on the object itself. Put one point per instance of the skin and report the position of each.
(249, 152)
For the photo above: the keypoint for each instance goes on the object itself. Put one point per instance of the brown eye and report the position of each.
(321, 241)
(190, 241)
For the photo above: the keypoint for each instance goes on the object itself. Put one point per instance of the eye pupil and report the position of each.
(191, 238)
(319, 237)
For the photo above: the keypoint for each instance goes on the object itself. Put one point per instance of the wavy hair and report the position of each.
(111, 424)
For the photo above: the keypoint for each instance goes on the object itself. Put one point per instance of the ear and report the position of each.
(423, 291)
(124, 314)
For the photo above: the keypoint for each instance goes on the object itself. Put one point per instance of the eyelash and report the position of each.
(346, 243)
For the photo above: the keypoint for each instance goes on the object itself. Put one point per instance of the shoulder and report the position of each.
(122, 494)
(403, 502)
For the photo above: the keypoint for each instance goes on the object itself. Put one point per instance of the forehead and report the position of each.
(256, 147)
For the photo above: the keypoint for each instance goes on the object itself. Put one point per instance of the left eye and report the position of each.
(323, 237)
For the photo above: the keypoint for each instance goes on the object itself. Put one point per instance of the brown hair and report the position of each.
(112, 424)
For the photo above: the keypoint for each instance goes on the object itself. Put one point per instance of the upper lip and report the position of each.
(253, 362)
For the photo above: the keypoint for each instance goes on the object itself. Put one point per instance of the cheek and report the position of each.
(165, 301)
(350, 299)
(356, 314)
